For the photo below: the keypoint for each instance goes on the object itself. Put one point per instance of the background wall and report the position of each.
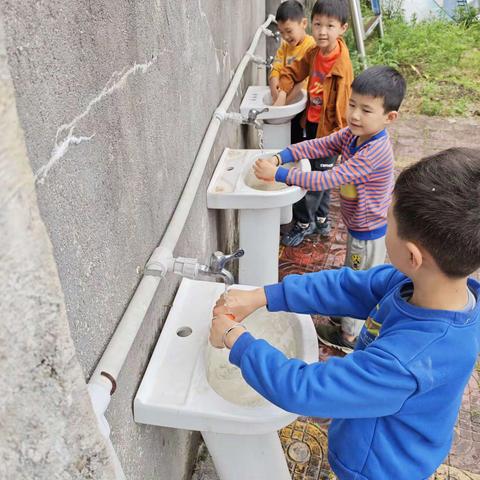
(47, 428)
(114, 98)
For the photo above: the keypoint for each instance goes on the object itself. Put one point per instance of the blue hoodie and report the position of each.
(395, 399)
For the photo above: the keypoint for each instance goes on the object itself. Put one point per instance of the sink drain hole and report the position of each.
(184, 331)
(229, 169)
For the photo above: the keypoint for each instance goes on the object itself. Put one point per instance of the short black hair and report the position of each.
(290, 10)
(437, 204)
(384, 82)
(332, 8)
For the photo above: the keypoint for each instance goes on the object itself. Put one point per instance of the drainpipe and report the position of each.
(102, 383)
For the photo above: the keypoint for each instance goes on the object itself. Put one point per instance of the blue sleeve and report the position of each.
(281, 174)
(371, 383)
(343, 292)
(286, 155)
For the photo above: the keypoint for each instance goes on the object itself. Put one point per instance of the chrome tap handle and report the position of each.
(269, 60)
(277, 36)
(253, 114)
(219, 259)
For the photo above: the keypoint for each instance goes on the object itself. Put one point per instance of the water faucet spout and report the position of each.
(217, 269)
(252, 117)
(204, 271)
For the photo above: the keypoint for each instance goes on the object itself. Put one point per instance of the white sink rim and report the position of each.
(244, 196)
(255, 98)
(202, 408)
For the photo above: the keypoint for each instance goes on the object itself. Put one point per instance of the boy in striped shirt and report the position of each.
(365, 177)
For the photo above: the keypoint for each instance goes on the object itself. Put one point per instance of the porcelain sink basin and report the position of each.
(234, 185)
(190, 385)
(259, 97)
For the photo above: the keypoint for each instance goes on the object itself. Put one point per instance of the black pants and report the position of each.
(313, 204)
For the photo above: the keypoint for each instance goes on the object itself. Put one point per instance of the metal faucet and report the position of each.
(191, 268)
(264, 61)
(252, 117)
(216, 267)
(277, 36)
(269, 61)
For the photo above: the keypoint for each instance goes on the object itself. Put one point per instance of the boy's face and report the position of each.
(366, 115)
(292, 32)
(326, 30)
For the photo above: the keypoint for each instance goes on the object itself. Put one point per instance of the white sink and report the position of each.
(175, 391)
(234, 185)
(259, 97)
(262, 206)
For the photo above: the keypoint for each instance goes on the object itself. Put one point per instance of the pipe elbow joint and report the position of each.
(159, 263)
(220, 114)
(100, 399)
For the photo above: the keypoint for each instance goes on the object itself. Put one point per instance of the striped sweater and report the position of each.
(365, 176)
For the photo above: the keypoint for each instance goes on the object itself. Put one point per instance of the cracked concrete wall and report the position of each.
(114, 98)
(47, 427)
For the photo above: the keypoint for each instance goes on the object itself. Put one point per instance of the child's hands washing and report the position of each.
(274, 82)
(240, 303)
(230, 309)
(281, 99)
(221, 332)
(265, 169)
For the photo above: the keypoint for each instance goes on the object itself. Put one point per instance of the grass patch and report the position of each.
(440, 60)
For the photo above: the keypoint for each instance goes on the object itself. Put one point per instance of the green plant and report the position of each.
(392, 9)
(467, 15)
(440, 60)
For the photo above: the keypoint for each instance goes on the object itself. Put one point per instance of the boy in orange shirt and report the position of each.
(330, 75)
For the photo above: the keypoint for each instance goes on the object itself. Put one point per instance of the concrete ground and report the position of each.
(414, 137)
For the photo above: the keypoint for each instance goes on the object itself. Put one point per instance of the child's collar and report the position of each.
(354, 148)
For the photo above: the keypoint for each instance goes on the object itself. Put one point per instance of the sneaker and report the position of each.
(323, 227)
(332, 336)
(296, 235)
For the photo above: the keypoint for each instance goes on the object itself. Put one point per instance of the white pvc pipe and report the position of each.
(121, 342)
(180, 215)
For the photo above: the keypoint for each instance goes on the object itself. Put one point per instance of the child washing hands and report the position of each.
(395, 400)
(231, 309)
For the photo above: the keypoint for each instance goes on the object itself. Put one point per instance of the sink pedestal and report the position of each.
(276, 136)
(262, 207)
(177, 389)
(259, 232)
(252, 457)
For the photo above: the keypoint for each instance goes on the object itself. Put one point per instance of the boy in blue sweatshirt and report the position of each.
(394, 401)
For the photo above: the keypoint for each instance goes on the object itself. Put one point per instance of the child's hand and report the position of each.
(293, 95)
(220, 323)
(265, 170)
(240, 303)
(281, 99)
(274, 89)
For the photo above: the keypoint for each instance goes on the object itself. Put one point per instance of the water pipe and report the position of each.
(161, 261)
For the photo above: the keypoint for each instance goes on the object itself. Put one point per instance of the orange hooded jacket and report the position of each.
(336, 89)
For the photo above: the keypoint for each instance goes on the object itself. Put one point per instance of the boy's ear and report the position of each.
(416, 256)
(392, 116)
(344, 28)
(304, 22)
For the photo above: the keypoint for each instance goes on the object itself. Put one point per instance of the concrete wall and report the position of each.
(47, 428)
(114, 97)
